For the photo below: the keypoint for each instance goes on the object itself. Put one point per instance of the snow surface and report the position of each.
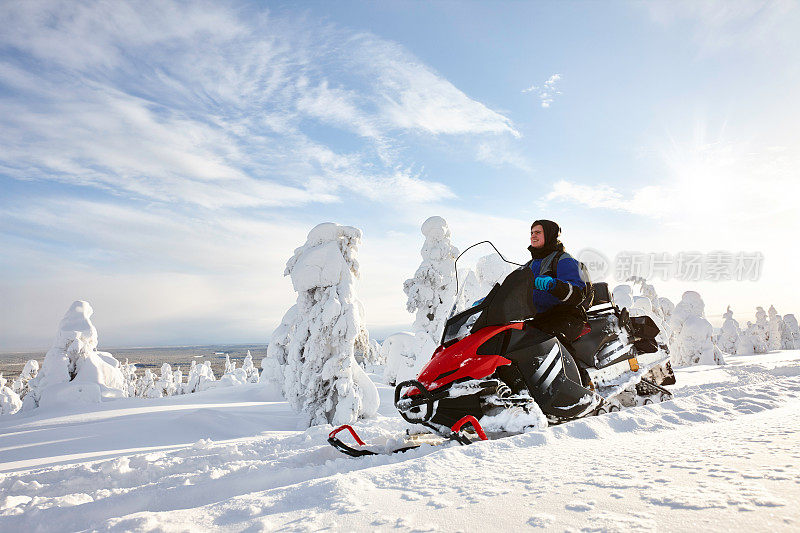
(722, 455)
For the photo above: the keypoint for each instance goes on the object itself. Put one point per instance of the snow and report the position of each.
(722, 455)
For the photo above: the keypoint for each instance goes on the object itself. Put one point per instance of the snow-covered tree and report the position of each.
(73, 370)
(622, 296)
(147, 387)
(166, 381)
(760, 331)
(233, 375)
(791, 333)
(250, 371)
(667, 308)
(775, 340)
(129, 377)
(200, 378)
(177, 378)
(21, 384)
(10, 401)
(431, 291)
(730, 333)
(312, 353)
(691, 342)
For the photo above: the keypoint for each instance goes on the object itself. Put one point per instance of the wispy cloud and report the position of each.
(204, 104)
(547, 91)
(717, 25)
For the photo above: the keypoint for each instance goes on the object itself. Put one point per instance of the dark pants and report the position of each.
(566, 324)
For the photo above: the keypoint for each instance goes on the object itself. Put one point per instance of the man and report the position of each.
(560, 281)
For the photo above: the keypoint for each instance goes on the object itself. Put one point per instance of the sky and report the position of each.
(162, 160)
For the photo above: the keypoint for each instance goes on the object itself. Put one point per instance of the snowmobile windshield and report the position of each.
(510, 301)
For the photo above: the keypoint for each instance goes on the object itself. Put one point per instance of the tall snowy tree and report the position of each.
(791, 333)
(775, 341)
(431, 295)
(691, 342)
(312, 353)
(431, 292)
(249, 369)
(21, 384)
(759, 331)
(730, 333)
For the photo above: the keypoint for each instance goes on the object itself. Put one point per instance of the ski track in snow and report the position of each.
(722, 455)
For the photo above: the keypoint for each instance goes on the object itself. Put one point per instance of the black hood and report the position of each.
(551, 242)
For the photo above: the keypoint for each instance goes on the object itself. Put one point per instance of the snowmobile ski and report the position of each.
(458, 433)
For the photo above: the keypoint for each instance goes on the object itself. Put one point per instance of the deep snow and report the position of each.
(722, 455)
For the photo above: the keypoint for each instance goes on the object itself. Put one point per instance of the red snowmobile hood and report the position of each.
(461, 360)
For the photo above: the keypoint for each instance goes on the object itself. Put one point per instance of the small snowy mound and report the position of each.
(312, 354)
(406, 354)
(623, 296)
(73, 370)
(10, 402)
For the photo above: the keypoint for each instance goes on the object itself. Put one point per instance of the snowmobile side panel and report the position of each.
(543, 367)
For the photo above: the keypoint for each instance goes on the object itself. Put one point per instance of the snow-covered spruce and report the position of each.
(200, 378)
(775, 341)
(21, 384)
(249, 369)
(431, 295)
(311, 355)
(791, 333)
(690, 341)
(73, 370)
(729, 336)
(431, 291)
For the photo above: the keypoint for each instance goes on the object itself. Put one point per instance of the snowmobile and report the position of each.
(492, 359)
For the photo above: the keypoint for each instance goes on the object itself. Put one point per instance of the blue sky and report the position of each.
(162, 160)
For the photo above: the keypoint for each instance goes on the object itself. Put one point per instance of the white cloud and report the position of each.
(547, 92)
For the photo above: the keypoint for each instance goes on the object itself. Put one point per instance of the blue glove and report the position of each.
(544, 283)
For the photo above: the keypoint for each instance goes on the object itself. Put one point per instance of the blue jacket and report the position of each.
(567, 274)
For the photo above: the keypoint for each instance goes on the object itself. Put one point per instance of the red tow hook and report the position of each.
(471, 420)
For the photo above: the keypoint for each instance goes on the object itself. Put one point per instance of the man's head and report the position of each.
(544, 233)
